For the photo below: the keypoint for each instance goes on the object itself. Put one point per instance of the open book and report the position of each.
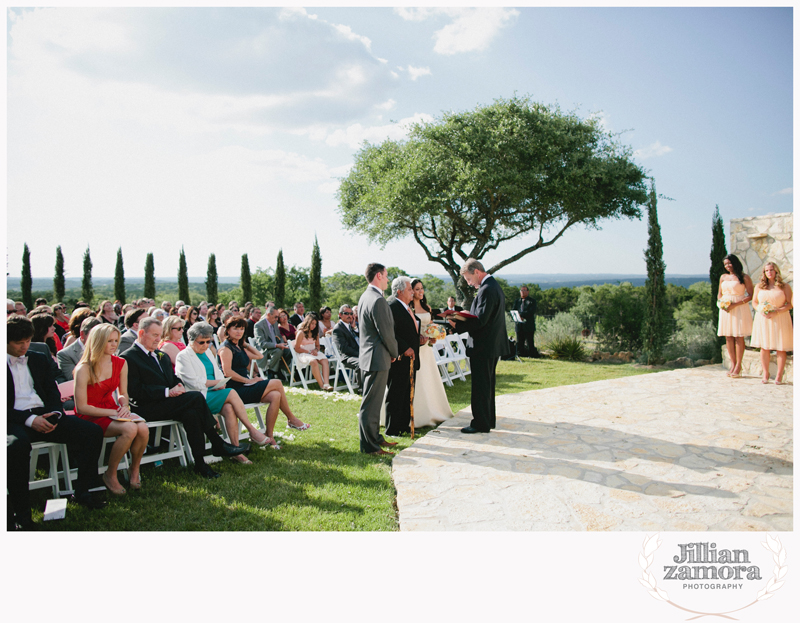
(457, 315)
(130, 418)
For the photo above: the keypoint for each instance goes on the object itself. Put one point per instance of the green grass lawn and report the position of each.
(318, 481)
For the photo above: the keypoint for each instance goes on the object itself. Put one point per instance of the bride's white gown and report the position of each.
(430, 400)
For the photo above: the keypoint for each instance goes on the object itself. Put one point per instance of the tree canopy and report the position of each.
(468, 182)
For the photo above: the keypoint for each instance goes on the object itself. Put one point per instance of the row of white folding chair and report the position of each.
(457, 344)
(452, 351)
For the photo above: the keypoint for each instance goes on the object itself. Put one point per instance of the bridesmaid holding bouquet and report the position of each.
(735, 323)
(772, 329)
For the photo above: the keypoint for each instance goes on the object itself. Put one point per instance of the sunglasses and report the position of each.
(201, 342)
(346, 314)
(180, 328)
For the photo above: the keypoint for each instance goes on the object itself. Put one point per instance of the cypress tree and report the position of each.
(718, 253)
(211, 280)
(315, 279)
(246, 281)
(280, 281)
(119, 279)
(656, 325)
(26, 282)
(87, 292)
(183, 279)
(149, 278)
(59, 288)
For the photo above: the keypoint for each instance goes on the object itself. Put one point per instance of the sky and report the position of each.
(226, 130)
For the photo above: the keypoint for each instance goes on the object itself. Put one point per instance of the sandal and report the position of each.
(262, 443)
(135, 485)
(302, 427)
(241, 458)
(120, 491)
(327, 388)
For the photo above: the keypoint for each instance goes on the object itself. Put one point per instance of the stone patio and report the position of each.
(685, 450)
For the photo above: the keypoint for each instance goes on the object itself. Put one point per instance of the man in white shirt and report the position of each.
(34, 414)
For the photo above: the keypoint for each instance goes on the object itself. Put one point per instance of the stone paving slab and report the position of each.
(689, 450)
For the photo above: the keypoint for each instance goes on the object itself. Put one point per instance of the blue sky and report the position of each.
(224, 130)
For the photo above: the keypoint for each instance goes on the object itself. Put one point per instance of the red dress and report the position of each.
(101, 395)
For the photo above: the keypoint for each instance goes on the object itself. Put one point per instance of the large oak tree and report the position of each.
(468, 182)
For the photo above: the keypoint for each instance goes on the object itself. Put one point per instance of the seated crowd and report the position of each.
(137, 363)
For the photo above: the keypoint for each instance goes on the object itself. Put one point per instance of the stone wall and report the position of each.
(757, 240)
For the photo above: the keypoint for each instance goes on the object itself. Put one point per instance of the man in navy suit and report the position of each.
(159, 395)
(489, 343)
(345, 337)
(35, 414)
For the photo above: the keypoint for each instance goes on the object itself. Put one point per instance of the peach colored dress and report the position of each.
(737, 322)
(774, 333)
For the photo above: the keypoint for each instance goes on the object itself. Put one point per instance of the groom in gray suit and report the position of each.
(377, 351)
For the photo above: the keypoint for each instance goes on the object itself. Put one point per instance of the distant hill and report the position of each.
(545, 281)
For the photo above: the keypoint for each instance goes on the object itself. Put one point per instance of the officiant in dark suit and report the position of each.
(158, 395)
(406, 332)
(33, 396)
(489, 343)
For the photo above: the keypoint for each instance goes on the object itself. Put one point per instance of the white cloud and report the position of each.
(356, 134)
(387, 105)
(603, 120)
(348, 34)
(652, 151)
(785, 191)
(471, 29)
(416, 72)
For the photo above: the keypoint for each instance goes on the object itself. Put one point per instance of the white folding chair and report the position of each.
(177, 445)
(333, 361)
(347, 373)
(54, 451)
(303, 370)
(458, 354)
(440, 355)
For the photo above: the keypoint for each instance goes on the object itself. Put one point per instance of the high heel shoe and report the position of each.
(302, 427)
(112, 490)
(260, 444)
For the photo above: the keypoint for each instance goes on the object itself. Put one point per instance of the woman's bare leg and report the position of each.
(137, 450)
(125, 432)
(781, 365)
(730, 344)
(765, 365)
(739, 347)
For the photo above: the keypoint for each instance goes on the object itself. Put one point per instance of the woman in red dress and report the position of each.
(98, 374)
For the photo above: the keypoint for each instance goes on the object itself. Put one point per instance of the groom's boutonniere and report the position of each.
(160, 355)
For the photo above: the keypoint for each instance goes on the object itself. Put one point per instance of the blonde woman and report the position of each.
(772, 328)
(172, 338)
(98, 375)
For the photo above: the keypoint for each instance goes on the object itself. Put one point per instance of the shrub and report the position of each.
(564, 325)
(693, 340)
(569, 347)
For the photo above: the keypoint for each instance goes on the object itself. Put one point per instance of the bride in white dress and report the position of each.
(430, 400)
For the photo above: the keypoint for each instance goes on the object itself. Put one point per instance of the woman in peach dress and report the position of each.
(772, 328)
(735, 321)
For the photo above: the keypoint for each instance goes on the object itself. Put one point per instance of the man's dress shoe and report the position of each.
(387, 444)
(227, 449)
(206, 472)
(382, 453)
(469, 430)
(89, 500)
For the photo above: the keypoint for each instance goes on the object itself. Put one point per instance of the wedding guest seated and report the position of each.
(158, 395)
(345, 338)
(44, 331)
(131, 329)
(62, 320)
(199, 372)
(179, 304)
(223, 320)
(172, 338)
(10, 309)
(75, 320)
(202, 310)
(105, 311)
(98, 375)
(40, 301)
(121, 320)
(287, 329)
(325, 324)
(235, 359)
(299, 314)
(33, 414)
(166, 306)
(270, 342)
(212, 318)
(21, 309)
(70, 356)
(306, 347)
(191, 318)
(159, 314)
(254, 315)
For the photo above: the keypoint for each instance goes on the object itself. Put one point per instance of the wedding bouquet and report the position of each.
(724, 303)
(433, 332)
(765, 308)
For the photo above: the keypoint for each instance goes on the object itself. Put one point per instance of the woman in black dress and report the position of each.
(234, 358)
